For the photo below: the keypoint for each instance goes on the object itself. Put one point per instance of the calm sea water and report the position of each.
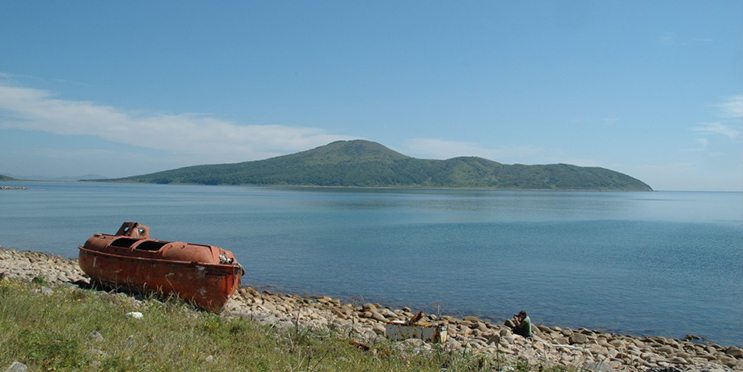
(659, 263)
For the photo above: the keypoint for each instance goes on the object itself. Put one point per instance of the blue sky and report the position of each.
(653, 89)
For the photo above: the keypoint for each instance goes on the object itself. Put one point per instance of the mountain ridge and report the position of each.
(360, 163)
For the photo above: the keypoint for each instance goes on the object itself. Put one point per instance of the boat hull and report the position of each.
(191, 272)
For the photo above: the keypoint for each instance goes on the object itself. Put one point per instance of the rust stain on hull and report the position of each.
(204, 275)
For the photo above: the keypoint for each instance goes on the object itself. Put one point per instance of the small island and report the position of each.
(360, 163)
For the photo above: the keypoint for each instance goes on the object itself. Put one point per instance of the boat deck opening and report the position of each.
(123, 242)
(151, 245)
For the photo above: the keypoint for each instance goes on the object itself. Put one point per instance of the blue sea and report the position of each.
(640, 263)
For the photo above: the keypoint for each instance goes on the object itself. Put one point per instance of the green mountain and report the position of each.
(368, 164)
(6, 178)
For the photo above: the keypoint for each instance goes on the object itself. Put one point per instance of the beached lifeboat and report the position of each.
(204, 275)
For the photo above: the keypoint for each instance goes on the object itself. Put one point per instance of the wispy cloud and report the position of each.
(65, 81)
(732, 107)
(9, 76)
(34, 78)
(702, 145)
(673, 38)
(703, 142)
(717, 129)
(730, 113)
(669, 38)
(609, 121)
(211, 138)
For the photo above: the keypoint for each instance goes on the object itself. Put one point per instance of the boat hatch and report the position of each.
(151, 245)
(123, 242)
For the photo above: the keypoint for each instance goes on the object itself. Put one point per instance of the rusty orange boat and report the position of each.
(204, 275)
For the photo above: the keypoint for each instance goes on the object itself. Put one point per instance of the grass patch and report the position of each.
(72, 329)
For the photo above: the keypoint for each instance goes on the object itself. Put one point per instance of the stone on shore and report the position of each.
(577, 338)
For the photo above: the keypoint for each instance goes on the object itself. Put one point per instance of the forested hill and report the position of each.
(361, 163)
(6, 178)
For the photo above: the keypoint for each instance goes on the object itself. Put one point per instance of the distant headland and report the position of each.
(6, 178)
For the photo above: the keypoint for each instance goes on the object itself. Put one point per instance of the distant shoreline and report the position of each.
(370, 187)
(402, 187)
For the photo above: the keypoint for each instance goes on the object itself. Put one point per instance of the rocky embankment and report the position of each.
(365, 323)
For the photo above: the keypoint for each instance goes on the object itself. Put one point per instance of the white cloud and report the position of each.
(717, 129)
(213, 139)
(732, 107)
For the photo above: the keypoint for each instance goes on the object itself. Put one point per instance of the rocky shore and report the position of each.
(365, 323)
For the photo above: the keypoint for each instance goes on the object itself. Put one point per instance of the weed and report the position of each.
(39, 279)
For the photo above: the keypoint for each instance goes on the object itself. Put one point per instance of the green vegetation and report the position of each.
(71, 329)
(6, 178)
(368, 164)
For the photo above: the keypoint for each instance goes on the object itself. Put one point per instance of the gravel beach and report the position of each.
(365, 323)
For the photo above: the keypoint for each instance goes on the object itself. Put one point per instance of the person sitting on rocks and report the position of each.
(521, 324)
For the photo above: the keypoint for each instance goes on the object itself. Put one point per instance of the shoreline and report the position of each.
(390, 187)
(13, 188)
(550, 345)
